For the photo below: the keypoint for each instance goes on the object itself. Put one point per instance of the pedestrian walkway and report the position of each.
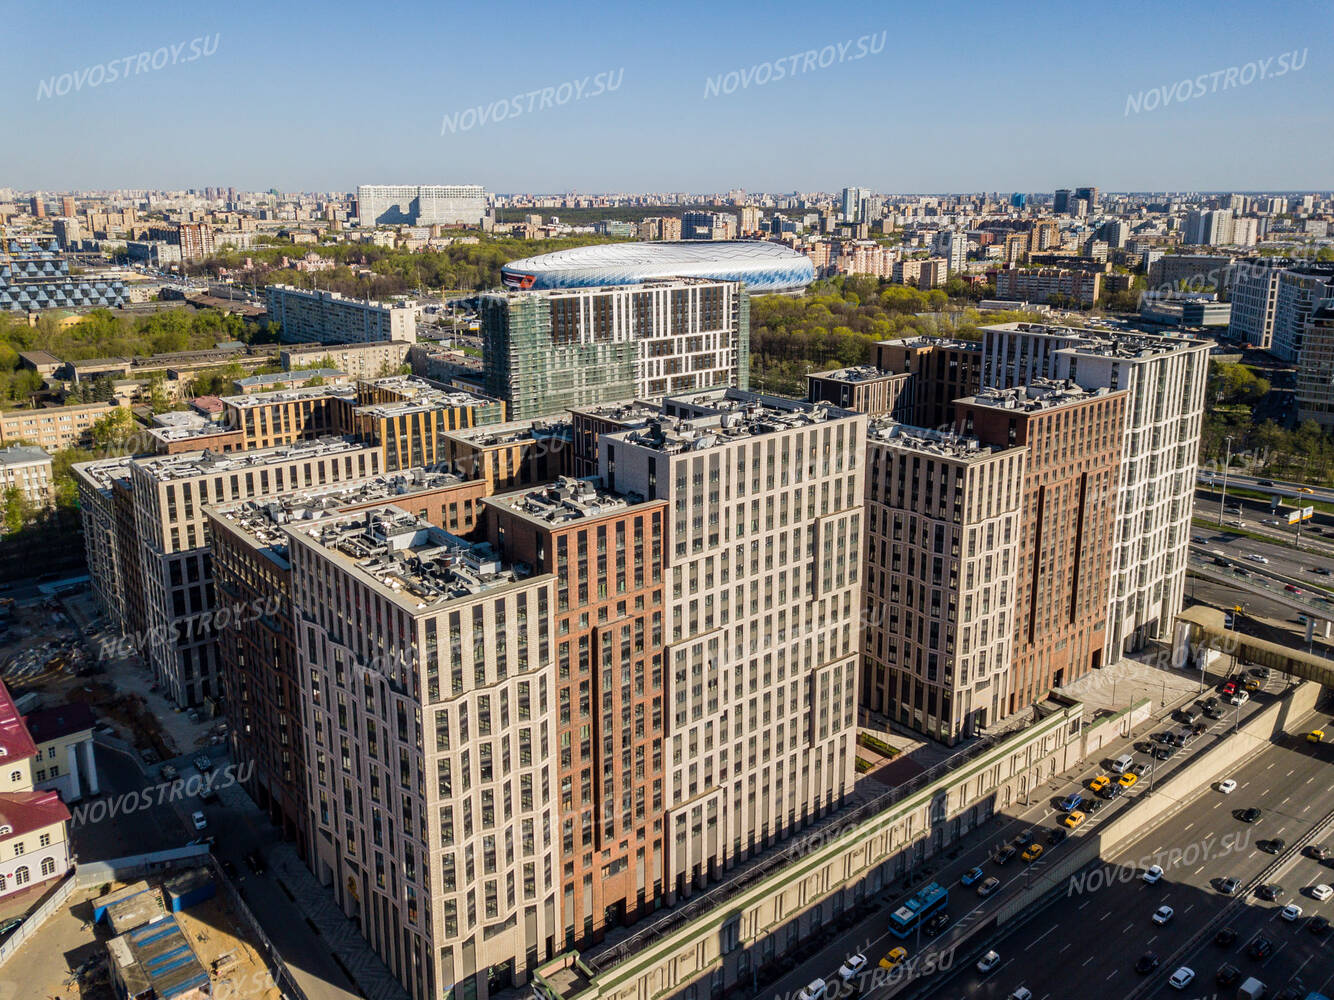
(339, 934)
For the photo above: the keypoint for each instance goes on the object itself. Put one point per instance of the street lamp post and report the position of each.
(1227, 464)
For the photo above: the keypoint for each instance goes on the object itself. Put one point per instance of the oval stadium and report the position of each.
(764, 267)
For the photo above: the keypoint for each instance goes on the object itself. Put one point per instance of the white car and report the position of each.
(1152, 874)
(1163, 914)
(1240, 698)
(1256, 557)
(1291, 912)
(1182, 977)
(849, 969)
(1227, 786)
(197, 818)
(1021, 993)
(814, 990)
(1321, 892)
(988, 962)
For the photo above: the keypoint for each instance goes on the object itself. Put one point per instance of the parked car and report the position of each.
(197, 818)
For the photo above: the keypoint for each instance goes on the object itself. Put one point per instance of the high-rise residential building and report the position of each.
(708, 226)
(750, 216)
(607, 553)
(411, 419)
(854, 203)
(1254, 296)
(257, 650)
(1300, 290)
(68, 233)
(430, 682)
(943, 523)
(421, 204)
(763, 589)
(943, 370)
(1165, 377)
(1211, 228)
(67, 206)
(170, 494)
(330, 318)
(37, 206)
(660, 228)
(1071, 479)
(1090, 196)
(1315, 374)
(1019, 201)
(547, 351)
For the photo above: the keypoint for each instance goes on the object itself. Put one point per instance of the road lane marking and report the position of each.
(1104, 916)
(1198, 870)
(1040, 937)
(1111, 975)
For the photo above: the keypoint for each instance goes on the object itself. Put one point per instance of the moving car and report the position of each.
(1315, 736)
(1071, 802)
(1147, 963)
(1256, 557)
(988, 962)
(1272, 846)
(1292, 588)
(1153, 874)
(1260, 948)
(1004, 855)
(1317, 851)
(1291, 913)
(1227, 974)
(816, 989)
(1073, 819)
(1162, 915)
(849, 969)
(1249, 815)
(1321, 892)
(970, 876)
(988, 887)
(937, 923)
(1056, 835)
(1182, 978)
(1021, 993)
(1269, 891)
(1318, 926)
(895, 957)
(1228, 886)
(1226, 938)
(1032, 852)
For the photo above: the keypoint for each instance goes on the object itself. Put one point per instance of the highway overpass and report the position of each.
(1201, 628)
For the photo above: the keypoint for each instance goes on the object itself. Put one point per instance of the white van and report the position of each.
(1122, 764)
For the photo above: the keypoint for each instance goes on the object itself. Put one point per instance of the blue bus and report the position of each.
(916, 908)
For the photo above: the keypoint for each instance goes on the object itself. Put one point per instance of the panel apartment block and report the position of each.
(547, 351)
(943, 516)
(763, 570)
(606, 551)
(1071, 482)
(429, 682)
(1164, 414)
(170, 495)
(330, 318)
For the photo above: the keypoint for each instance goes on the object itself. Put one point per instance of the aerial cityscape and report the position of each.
(574, 506)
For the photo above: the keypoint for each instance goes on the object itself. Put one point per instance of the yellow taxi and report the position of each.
(1073, 819)
(1252, 684)
(1127, 780)
(895, 957)
(1316, 736)
(1032, 852)
(1305, 489)
(1099, 783)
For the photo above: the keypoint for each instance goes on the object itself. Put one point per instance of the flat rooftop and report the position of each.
(418, 395)
(857, 373)
(265, 521)
(1106, 343)
(103, 472)
(290, 395)
(928, 441)
(206, 463)
(419, 562)
(495, 435)
(157, 957)
(1040, 394)
(300, 374)
(631, 412)
(566, 500)
(673, 436)
(22, 454)
(955, 343)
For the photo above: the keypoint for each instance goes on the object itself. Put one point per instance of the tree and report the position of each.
(113, 429)
(17, 510)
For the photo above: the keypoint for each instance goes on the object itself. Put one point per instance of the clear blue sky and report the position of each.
(962, 97)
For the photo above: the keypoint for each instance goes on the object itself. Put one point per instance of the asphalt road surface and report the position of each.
(1035, 821)
(1089, 942)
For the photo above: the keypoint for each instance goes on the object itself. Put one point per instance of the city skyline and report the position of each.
(664, 86)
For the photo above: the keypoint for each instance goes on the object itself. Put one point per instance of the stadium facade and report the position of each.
(763, 267)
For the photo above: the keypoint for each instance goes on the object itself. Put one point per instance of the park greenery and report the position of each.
(1264, 447)
(838, 320)
(470, 266)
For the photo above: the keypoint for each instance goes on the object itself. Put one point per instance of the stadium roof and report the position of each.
(763, 266)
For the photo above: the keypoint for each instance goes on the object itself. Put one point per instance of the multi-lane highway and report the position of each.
(1031, 822)
(1091, 940)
